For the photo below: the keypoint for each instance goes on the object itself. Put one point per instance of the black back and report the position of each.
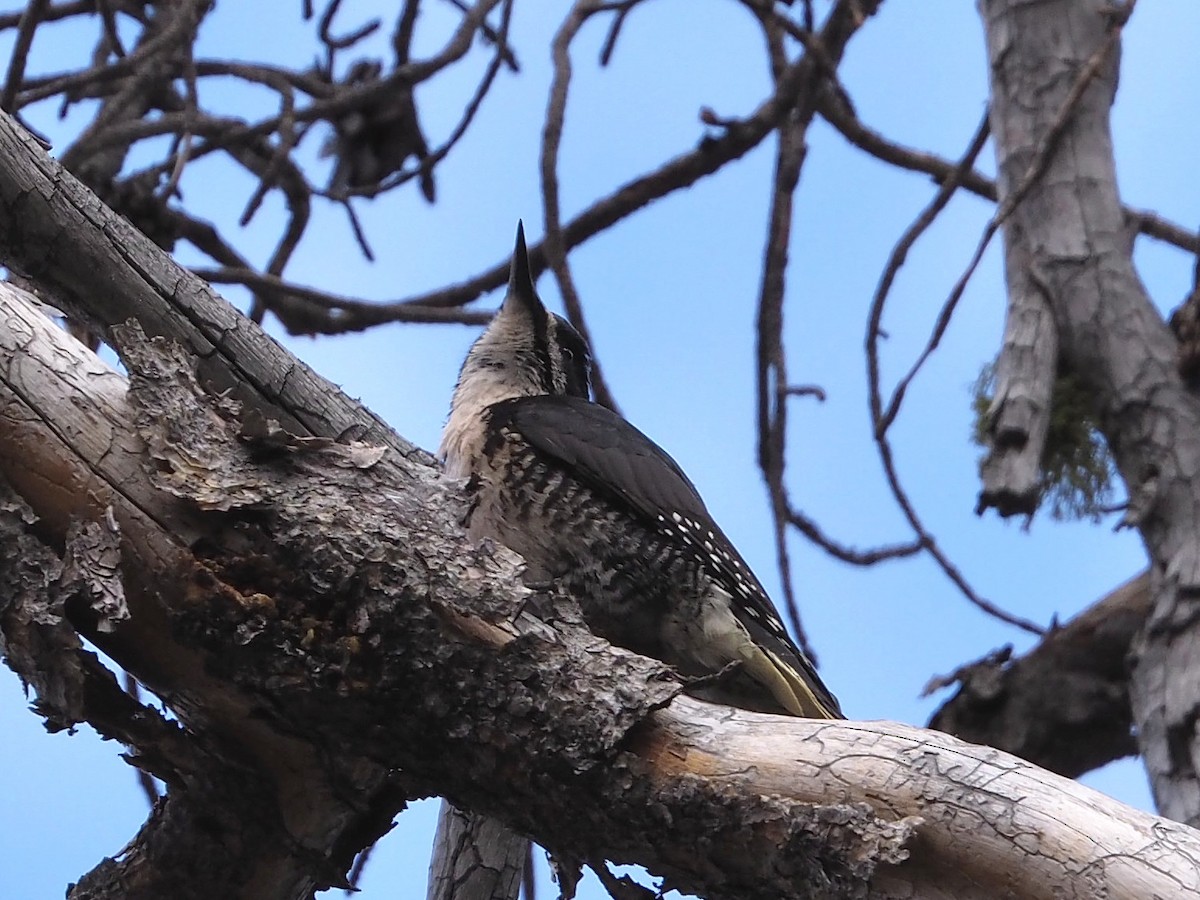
(611, 455)
(606, 451)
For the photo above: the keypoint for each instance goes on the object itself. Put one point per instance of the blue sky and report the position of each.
(670, 296)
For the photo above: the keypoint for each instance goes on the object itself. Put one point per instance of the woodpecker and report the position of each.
(591, 502)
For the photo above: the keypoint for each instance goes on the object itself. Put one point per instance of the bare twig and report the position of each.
(809, 528)
(360, 236)
(874, 143)
(259, 160)
(129, 65)
(406, 26)
(880, 422)
(492, 37)
(425, 166)
(191, 110)
(51, 14)
(772, 383)
(620, 11)
(216, 134)
(344, 42)
(30, 19)
(841, 117)
(339, 314)
(676, 174)
(322, 109)
(108, 18)
(285, 144)
(772, 378)
(554, 247)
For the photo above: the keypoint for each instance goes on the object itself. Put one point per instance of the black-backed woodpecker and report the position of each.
(590, 501)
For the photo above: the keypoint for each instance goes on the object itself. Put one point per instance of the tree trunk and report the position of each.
(475, 858)
(1054, 72)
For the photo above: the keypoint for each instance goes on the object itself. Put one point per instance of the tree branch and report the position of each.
(841, 117)
(881, 417)
(1018, 418)
(1065, 704)
(339, 627)
(54, 231)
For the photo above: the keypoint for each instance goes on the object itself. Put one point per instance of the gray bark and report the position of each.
(1112, 336)
(102, 271)
(475, 856)
(1019, 417)
(1063, 706)
(333, 645)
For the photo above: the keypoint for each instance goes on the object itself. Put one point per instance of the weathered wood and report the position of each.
(986, 824)
(1112, 337)
(1019, 417)
(70, 446)
(103, 271)
(1064, 705)
(334, 625)
(475, 856)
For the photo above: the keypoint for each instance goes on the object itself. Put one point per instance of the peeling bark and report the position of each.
(333, 645)
(1019, 417)
(1111, 336)
(70, 447)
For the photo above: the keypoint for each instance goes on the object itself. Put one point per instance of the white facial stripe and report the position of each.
(558, 377)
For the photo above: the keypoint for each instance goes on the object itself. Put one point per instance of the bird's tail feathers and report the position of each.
(790, 688)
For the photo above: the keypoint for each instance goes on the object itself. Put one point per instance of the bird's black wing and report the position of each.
(613, 456)
(606, 451)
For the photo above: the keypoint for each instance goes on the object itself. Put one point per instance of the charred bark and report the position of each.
(333, 645)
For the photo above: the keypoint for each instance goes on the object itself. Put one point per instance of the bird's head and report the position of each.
(526, 350)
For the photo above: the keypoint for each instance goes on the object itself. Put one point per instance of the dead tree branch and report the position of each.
(1065, 704)
(288, 647)
(1111, 335)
